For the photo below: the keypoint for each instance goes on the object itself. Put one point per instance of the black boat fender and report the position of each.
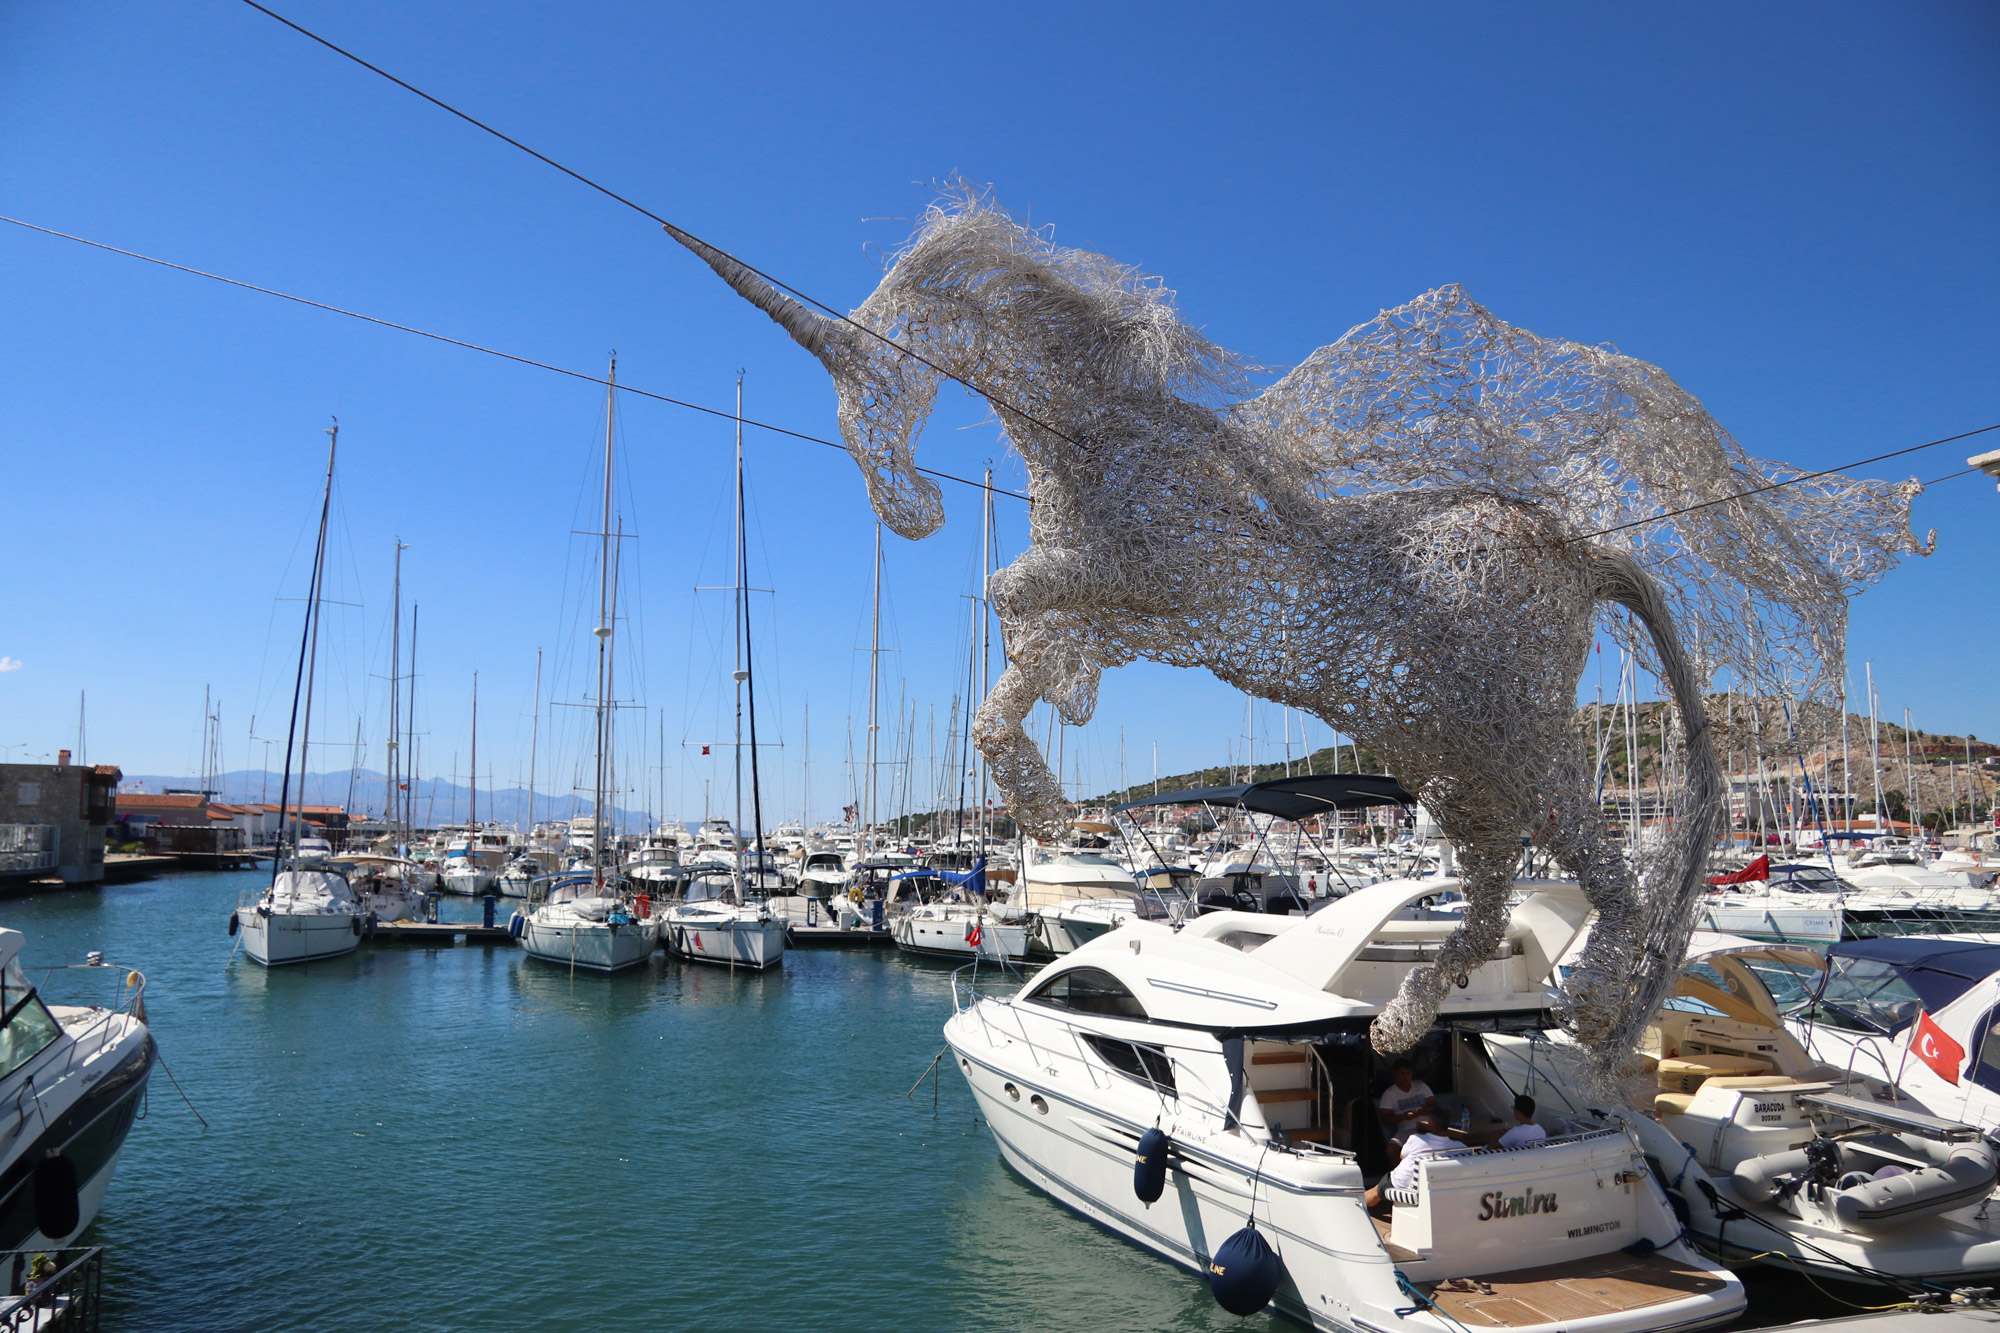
(1244, 1272)
(1149, 1169)
(232, 923)
(57, 1211)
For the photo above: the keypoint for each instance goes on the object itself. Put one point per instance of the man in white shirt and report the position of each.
(1525, 1130)
(1426, 1137)
(1403, 1103)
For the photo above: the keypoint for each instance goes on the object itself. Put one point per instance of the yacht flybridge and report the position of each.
(1242, 1039)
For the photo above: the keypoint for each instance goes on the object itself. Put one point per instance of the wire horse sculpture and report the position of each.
(1412, 536)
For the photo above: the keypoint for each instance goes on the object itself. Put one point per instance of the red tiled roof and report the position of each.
(144, 800)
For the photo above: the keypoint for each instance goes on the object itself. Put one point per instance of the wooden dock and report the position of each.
(440, 932)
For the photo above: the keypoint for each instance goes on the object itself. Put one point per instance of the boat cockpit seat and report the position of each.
(1402, 1198)
(1686, 1073)
(1672, 1103)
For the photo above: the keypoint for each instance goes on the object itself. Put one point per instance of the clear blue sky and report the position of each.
(1792, 208)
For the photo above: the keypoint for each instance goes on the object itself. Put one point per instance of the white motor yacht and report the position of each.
(310, 911)
(1230, 1060)
(1774, 1155)
(518, 879)
(1921, 1011)
(74, 1077)
(656, 857)
(712, 924)
(823, 874)
(587, 922)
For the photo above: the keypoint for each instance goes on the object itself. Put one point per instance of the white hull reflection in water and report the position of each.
(1229, 1061)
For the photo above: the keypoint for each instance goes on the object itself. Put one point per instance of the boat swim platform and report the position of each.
(439, 932)
(1604, 1284)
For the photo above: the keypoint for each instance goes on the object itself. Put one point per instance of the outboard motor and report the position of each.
(1149, 1171)
(1244, 1272)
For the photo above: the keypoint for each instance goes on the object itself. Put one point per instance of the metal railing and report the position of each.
(52, 1289)
(28, 849)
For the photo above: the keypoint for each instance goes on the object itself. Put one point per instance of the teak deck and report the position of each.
(1606, 1284)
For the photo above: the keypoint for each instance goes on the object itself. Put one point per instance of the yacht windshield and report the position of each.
(26, 1025)
(1867, 995)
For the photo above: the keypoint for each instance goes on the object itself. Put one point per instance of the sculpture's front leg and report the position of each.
(1034, 797)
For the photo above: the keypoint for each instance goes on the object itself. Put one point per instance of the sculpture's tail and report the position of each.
(1636, 949)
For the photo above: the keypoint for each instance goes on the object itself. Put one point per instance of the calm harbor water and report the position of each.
(457, 1138)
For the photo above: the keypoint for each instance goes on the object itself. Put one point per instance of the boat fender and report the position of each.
(1149, 1169)
(232, 923)
(516, 925)
(355, 921)
(1966, 1177)
(1243, 1273)
(368, 925)
(57, 1214)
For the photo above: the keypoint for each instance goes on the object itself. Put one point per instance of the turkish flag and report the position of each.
(972, 934)
(704, 749)
(1756, 870)
(1936, 1048)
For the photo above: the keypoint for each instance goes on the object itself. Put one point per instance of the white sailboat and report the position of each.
(309, 910)
(588, 919)
(730, 921)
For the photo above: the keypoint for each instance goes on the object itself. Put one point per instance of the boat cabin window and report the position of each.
(1136, 1060)
(26, 1026)
(1089, 991)
(1866, 995)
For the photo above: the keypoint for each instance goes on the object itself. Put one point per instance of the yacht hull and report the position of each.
(752, 944)
(91, 1132)
(592, 947)
(281, 938)
(1339, 1275)
(948, 938)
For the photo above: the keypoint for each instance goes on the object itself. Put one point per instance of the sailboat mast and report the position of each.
(308, 642)
(410, 732)
(534, 744)
(603, 627)
(748, 686)
(472, 790)
(874, 690)
(395, 696)
(738, 672)
(985, 643)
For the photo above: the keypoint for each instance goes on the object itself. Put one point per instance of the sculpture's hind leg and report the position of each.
(1034, 797)
(1486, 869)
(1599, 984)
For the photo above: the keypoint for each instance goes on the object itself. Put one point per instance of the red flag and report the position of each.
(704, 749)
(972, 934)
(1936, 1048)
(1756, 870)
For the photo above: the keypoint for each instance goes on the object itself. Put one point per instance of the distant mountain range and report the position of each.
(436, 800)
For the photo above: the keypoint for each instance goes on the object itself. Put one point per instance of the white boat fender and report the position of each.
(1149, 1170)
(1964, 1177)
(1244, 1272)
(57, 1214)
(232, 923)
